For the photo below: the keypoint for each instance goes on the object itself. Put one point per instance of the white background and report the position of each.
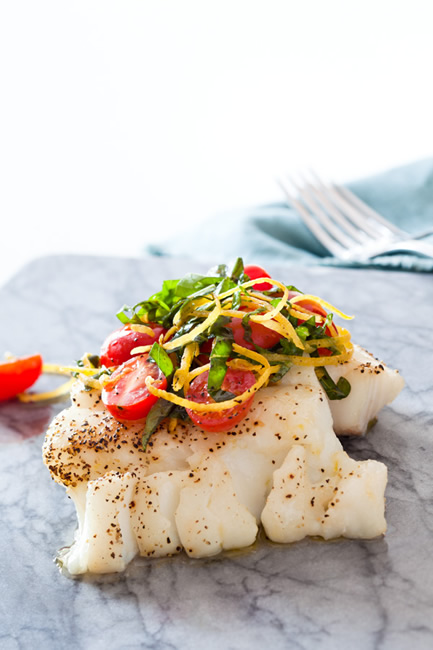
(123, 121)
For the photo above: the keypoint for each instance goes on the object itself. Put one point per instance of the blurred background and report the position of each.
(122, 122)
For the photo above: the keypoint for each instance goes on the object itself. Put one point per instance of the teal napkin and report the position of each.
(276, 233)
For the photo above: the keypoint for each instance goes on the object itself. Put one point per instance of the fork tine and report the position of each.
(320, 233)
(350, 196)
(356, 234)
(349, 210)
(308, 194)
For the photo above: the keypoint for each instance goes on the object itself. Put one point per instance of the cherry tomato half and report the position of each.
(254, 272)
(18, 374)
(235, 381)
(126, 396)
(312, 306)
(260, 334)
(117, 347)
(330, 330)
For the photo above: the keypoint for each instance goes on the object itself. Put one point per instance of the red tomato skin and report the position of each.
(127, 397)
(235, 381)
(324, 352)
(254, 272)
(117, 347)
(19, 374)
(261, 335)
(331, 330)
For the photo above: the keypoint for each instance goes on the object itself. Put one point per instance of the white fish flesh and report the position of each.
(282, 467)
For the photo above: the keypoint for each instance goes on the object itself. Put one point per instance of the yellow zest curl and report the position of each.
(143, 329)
(319, 301)
(188, 338)
(181, 376)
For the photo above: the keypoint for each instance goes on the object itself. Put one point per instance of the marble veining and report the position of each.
(371, 595)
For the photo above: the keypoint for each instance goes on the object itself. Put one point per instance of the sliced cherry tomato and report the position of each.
(254, 272)
(324, 352)
(18, 374)
(236, 382)
(330, 330)
(117, 347)
(312, 306)
(261, 335)
(126, 396)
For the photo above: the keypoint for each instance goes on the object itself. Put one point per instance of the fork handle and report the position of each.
(409, 245)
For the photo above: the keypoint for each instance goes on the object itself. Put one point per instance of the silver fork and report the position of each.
(348, 228)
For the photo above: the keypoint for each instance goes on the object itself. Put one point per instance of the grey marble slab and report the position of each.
(336, 595)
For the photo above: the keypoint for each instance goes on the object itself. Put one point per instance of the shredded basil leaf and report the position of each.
(222, 395)
(194, 282)
(225, 285)
(219, 328)
(246, 324)
(160, 410)
(236, 299)
(94, 361)
(248, 335)
(216, 329)
(290, 348)
(276, 376)
(317, 332)
(334, 391)
(238, 271)
(162, 360)
(303, 332)
(154, 309)
(221, 351)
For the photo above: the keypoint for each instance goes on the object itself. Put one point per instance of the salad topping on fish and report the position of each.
(214, 410)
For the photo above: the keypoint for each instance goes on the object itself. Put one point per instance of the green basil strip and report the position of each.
(222, 395)
(125, 314)
(160, 410)
(236, 300)
(247, 327)
(276, 376)
(221, 351)
(219, 328)
(225, 285)
(338, 390)
(155, 309)
(193, 282)
(161, 358)
(290, 348)
(238, 270)
(303, 332)
(319, 331)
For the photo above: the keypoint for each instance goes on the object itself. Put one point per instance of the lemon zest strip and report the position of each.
(188, 338)
(143, 329)
(181, 376)
(321, 302)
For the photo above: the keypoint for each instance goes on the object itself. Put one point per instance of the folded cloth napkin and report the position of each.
(276, 233)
